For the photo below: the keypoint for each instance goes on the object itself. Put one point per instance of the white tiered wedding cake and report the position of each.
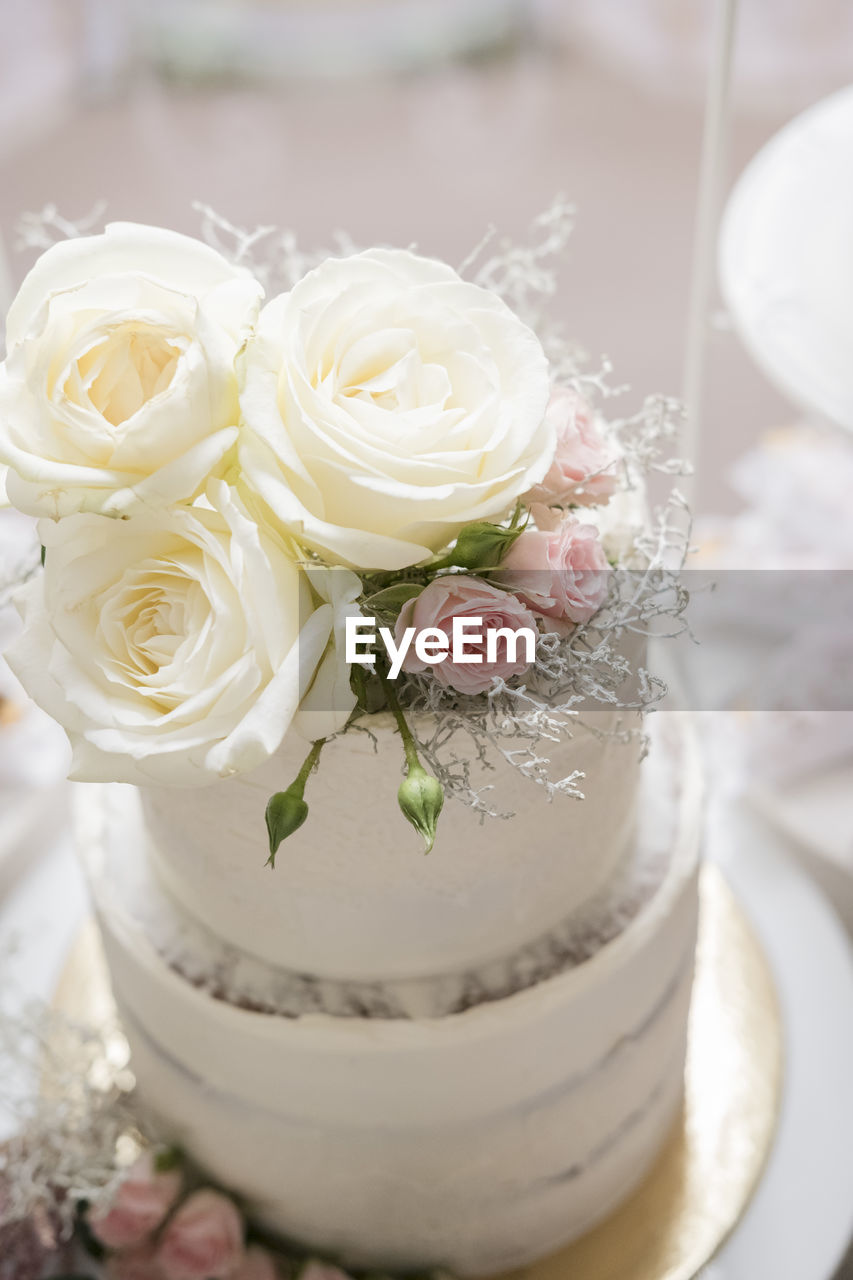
(520, 1106)
(362, 528)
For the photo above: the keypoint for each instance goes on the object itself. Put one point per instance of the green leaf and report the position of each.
(367, 687)
(358, 684)
(392, 599)
(43, 555)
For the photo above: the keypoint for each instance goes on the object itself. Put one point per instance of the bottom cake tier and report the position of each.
(475, 1141)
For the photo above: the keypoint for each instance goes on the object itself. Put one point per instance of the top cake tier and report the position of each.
(353, 896)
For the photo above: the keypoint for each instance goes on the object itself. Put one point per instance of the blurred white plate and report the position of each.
(816, 813)
(800, 1221)
(786, 258)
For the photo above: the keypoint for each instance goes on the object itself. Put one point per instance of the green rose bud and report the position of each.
(167, 1159)
(482, 545)
(421, 798)
(286, 812)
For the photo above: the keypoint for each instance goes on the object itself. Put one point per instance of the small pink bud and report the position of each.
(584, 468)
(139, 1207)
(203, 1240)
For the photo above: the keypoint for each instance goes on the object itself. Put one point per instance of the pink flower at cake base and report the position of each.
(23, 1256)
(315, 1270)
(204, 1239)
(584, 467)
(258, 1264)
(140, 1206)
(559, 571)
(136, 1264)
(461, 596)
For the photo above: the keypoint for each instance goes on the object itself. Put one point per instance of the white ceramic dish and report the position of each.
(786, 258)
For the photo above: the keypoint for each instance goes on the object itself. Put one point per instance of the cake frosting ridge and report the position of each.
(486, 887)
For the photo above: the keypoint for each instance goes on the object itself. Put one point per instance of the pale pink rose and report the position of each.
(258, 1264)
(136, 1264)
(560, 572)
(204, 1239)
(584, 466)
(460, 596)
(140, 1205)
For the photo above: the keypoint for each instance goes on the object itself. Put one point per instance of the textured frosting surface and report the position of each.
(353, 895)
(111, 823)
(476, 1141)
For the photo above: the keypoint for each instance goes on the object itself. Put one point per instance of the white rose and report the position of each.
(321, 711)
(175, 647)
(387, 403)
(119, 388)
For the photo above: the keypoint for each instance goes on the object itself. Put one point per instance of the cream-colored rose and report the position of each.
(175, 647)
(387, 403)
(119, 389)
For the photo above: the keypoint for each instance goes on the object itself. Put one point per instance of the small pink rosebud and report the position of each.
(559, 572)
(203, 1240)
(258, 1264)
(139, 1207)
(584, 466)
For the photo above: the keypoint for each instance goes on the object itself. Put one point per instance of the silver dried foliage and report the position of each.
(65, 1096)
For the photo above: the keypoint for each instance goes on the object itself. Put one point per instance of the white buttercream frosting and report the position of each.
(354, 897)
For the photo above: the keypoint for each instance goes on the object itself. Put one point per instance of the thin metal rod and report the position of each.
(711, 177)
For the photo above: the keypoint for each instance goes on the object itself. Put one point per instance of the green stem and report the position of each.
(409, 748)
(308, 764)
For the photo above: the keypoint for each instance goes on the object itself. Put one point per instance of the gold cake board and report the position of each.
(704, 1178)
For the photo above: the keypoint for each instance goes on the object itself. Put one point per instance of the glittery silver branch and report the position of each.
(66, 1087)
(271, 253)
(48, 226)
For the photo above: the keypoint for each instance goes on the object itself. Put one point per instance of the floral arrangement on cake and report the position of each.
(379, 489)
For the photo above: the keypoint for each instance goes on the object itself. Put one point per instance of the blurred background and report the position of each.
(423, 122)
